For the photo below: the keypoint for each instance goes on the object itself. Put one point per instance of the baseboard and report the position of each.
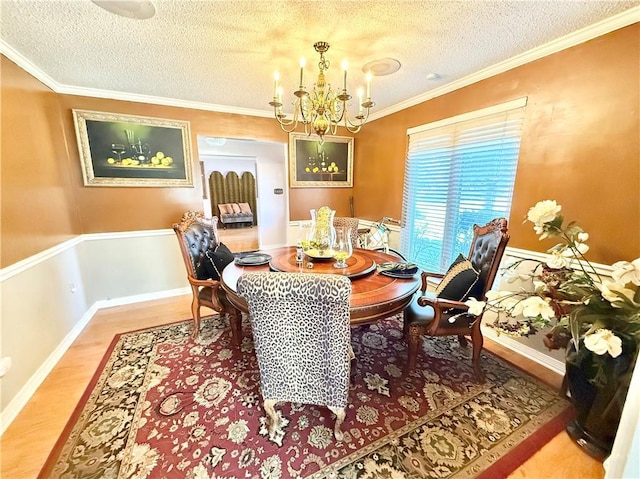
(524, 350)
(138, 298)
(270, 246)
(28, 390)
(22, 398)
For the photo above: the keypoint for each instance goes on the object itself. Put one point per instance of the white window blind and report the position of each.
(459, 172)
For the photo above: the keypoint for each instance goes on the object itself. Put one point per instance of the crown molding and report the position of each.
(36, 72)
(590, 32)
(624, 19)
(28, 66)
(156, 100)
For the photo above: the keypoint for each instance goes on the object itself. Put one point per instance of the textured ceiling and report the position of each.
(224, 53)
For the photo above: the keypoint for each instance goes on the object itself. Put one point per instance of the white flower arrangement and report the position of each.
(569, 297)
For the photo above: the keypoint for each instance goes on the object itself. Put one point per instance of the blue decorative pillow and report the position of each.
(458, 280)
(213, 262)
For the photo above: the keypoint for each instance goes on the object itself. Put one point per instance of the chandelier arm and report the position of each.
(343, 110)
(304, 117)
(359, 125)
(288, 130)
(285, 122)
(307, 130)
(353, 129)
(334, 128)
(280, 118)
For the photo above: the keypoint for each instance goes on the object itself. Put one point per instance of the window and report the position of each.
(458, 172)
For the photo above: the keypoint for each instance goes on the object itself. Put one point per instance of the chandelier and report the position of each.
(322, 109)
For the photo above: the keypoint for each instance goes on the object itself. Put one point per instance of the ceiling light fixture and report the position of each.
(139, 9)
(382, 67)
(322, 109)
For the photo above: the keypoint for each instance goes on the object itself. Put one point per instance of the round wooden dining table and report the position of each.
(374, 296)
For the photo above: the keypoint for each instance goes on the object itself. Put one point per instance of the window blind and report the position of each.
(459, 172)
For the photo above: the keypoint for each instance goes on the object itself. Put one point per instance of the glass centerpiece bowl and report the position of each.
(342, 248)
(322, 234)
(303, 235)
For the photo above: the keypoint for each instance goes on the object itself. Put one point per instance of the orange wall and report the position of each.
(580, 143)
(124, 209)
(580, 146)
(38, 210)
(44, 201)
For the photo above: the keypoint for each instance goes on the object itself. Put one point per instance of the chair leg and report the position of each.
(414, 338)
(235, 321)
(269, 407)
(340, 415)
(353, 364)
(462, 341)
(477, 340)
(195, 312)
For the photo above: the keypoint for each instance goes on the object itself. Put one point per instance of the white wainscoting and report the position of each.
(49, 298)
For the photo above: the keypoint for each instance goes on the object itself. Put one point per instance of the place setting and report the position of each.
(251, 258)
(398, 270)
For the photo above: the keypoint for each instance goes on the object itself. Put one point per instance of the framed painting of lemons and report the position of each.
(127, 150)
(315, 164)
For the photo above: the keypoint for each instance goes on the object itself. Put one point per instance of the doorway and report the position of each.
(267, 161)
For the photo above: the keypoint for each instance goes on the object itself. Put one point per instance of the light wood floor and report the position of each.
(27, 442)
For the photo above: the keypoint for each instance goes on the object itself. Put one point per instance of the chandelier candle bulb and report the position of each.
(345, 65)
(360, 101)
(276, 77)
(303, 62)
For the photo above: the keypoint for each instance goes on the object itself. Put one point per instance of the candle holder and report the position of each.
(342, 248)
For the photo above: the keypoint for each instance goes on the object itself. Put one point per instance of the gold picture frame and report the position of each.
(129, 150)
(320, 165)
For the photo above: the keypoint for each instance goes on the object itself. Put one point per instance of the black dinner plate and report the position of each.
(393, 274)
(252, 259)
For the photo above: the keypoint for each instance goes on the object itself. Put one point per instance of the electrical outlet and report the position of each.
(5, 365)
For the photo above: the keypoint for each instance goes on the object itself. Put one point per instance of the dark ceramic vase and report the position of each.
(598, 408)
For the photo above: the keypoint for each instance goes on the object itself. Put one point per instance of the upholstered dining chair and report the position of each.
(300, 324)
(351, 224)
(443, 313)
(198, 240)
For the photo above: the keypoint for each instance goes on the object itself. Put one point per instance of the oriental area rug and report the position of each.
(165, 405)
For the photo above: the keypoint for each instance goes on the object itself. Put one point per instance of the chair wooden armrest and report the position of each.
(207, 283)
(429, 274)
(443, 311)
(425, 279)
(441, 303)
(203, 282)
